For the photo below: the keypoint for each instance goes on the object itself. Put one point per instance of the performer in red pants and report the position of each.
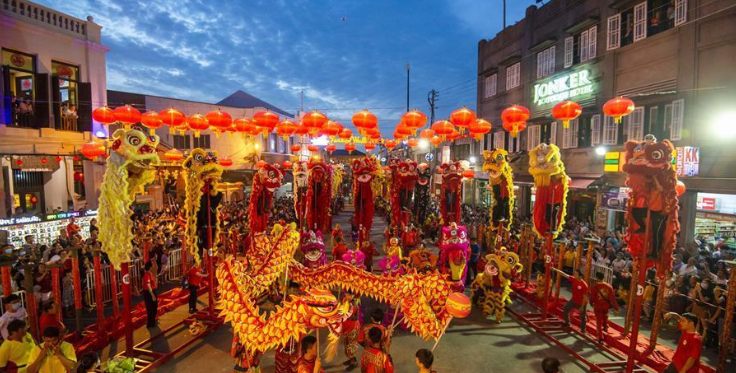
(602, 298)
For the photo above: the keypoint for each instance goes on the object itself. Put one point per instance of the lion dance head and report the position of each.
(200, 169)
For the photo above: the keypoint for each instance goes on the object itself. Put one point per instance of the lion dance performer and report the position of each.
(319, 197)
(492, 288)
(454, 254)
(551, 181)
(402, 193)
(129, 168)
(451, 191)
(202, 201)
(500, 176)
(421, 193)
(364, 173)
(301, 185)
(313, 247)
(265, 182)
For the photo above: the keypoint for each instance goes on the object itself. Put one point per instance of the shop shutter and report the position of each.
(41, 107)
(84, 109)
(678, 115)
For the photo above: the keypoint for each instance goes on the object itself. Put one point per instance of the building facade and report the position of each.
(673, 58)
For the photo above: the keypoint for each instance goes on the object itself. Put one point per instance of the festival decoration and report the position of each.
(313, 248)
(370, 145)
(286, 165)
(301, 130)
(455, 134)
(451, 192)
(338, 173)
(551, 181)
(436, 141)
(104, 115)
(313, 148)
(331, 148)
(414, 119)
(296, 148)
(266, 120)
(202, 173)
(127, 169)
(463, 118)
(345, 134)
(402, 192)
(151, 120)
(332, 128)
(426, 134)
(93, 149)
(197, 123)
(390, 144)
(469, 174)
(265, 182)
(319, 196)
(364, 172)
(245, 126)
(479, 128)
(172, 118)
(285, 129)
(365, 119)
(680, 188)
(127, 115)
(174, 155)
(501, 179)
(350, 147)
(567, 111)
(454, 254)
(301, 177)
(422, 260)
(492, 288)
(404, 130)
(618, 108)
(443, 127)
(514, 119)
(421, 192)
(220, 120)
(314, 121)
(458, 305)
(225, 161)
(412, 142)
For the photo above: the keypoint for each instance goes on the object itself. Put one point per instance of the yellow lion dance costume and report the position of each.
(500, 176)
(129, 168)
(201, 169)
(551, 181)
(492, 288)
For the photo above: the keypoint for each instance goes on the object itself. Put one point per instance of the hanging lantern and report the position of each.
(225, 161)
(455, 134)
(93, 149)
(296, 148)
(33, 199)
(463, 117)
(332, 128)
(390, 144)
(567, 111)
(246, 126)
(127, 115)
(19, 162)
(398, 136)
(365, 119)
(350, 147)
(468, 174)
(331, 148)
(172, 118)
(220, 120)
(58, 158)
(104, 115)
(312, 148)
(301, 130)
(404, 130)
(174, 155)
(680, 188)
(266, 120)
(479, 128)
(426, 134)
(370, 145)
(412, 142)
(514, 128)
(197, 122)
(443, 127)
(375, 136)
(261, 164)
(514, 119)
(286, 164)
(345, 134)
(314, 121)
(414, 119)
(151, 120)
(44, 160)
(286, 128)
(618, 107)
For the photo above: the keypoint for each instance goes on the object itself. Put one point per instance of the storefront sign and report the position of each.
(354, 140)
(21, 220)
(706, 203)
(687, 161)
(615, 199)
(721, 203)
(563, 88)
(48, 217)
(614, 162)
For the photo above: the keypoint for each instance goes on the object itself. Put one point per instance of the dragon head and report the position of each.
(322, 307)
(135, 151)
(648, 156)
(364, 170)
(424, 174)
(503, 265)
(455, 244)
(270, 176)
(496, 163)
(301, 173)
(452, 173)
(203, 165)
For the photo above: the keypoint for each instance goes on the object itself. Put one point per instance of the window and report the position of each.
(272, 142)
(680, 12)
(498, 140)
(64, 84)
(570, 135)
(569, 47)
(614, 32)
(490, 85)
(546, 62)
(677, 117)
(21, 68)
(550, 133)
(514, 143)
(203, 141)
(513, 76)
(533, 137)
(635, 125)
(640, 21)
(182, 142)
(462, 152)
(610, 131)
(588, 43)
(595, 130)
(661, 16)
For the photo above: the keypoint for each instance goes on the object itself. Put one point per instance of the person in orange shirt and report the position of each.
(374, 358)
(339, 250)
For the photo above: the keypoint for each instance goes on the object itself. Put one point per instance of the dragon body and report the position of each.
(500, 177)
(421, 193)
(265, 182)
(301, 175)
(202, 173)
(492, 288)
(364, 175)
(128, 170)
(653, 180)
(454, 254)
(551, 181)
(451, 192)
(402, 192)
(319, 197)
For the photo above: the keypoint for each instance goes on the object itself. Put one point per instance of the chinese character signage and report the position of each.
(687, 161)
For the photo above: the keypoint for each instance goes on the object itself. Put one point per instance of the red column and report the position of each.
(56, 287)
(7, 282)
(184, 254)
(114, 285)
(31, 307)
(77, 288)
(124, 271)
(634, 336)
(547, 274)
(98, 288)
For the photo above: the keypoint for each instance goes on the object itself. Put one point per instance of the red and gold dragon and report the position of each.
(364, 172)
(551, 181)
(301, 185)
(402, 192)
(265, 182)
(653, 180)
(319, 197)
(451, 192)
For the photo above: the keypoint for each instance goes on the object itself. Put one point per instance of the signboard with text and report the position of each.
(687, 161)
(576, 84)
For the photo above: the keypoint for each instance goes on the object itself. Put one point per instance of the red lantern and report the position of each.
(350, 147)
(345, 134)
(151, 120)
(365, 119)
(332, 128)
(468, 174)
(680, 188)
(312, 148)
(479, 128)
(93, 150)
(286, 164)
(301, 130)
(426, 134)
(443, 127)
(76, 158)
(414, 119)
(412, 142)
(225, 161)
(436, 141)
(514, 128)
(455, 134)
(296, 148)
(370, 145)
(314, 121)
(197, 122)
(266, 120)
(79, 177)
(463, 117)
(390, 144)
(127, 115)
(104, 115)
(58, 159)
(514, 119)
(331, 148)
(172, 117)
(261, 164)
(567, 111)
(33, 200)
(244, 125)
(19, 162)
(174, 155)
(220, 120)
(404, 130)
(286, 129)
(458, 305)
(618, 107)
(44, 160)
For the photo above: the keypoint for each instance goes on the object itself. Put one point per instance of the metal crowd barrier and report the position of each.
(599, 268)
(21, 294)
(136, 268)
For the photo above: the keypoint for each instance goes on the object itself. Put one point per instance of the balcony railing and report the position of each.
(28, 10)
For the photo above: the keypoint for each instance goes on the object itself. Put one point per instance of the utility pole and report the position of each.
(432, 99)
(302, 109)
(504, 14)
(408, 69)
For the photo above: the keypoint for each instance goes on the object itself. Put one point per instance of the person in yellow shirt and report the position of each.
(15, 350)
(53, 355)
(568, 260)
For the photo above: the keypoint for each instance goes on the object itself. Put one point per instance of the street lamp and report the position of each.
(423, 144)
(724, 126)
(601, 150)
(472, 159)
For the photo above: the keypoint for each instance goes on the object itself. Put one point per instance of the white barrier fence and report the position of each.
(21, 294)
(599, 268)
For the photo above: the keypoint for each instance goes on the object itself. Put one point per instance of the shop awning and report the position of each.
(577, 181)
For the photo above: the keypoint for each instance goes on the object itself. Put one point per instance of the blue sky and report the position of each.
(345, 54)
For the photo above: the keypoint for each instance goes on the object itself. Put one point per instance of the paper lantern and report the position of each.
(151, 120)
(331, 148)
(350, 147)
(398, 136)
(443, 127)
(468, 174)
(332, 128)
(390, 144)
(412, 142)
(375, 136)
(197, 122)
(455, 134)
(220, 120)
(680, 188)
(174, 155)
(261, 164)
(365, 119)
(266, 120)
(345, 134)
(427, 134)
(463, 117)
(225, 161)
(286, 164)
(312, 148)
(436, 141)
(127, 115)
(296, 148)
(458, 305)
(93, 149)
(314, 121)
(104, 115)
(514, 128)
(479, 128)
(58, 159)
(414, 119)
(370, 145)
(404, 130)
(44, 160)
(286, 128)
(618, 107)
(33, 200)
(246, 126)
(567, 111)
(514, 119)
